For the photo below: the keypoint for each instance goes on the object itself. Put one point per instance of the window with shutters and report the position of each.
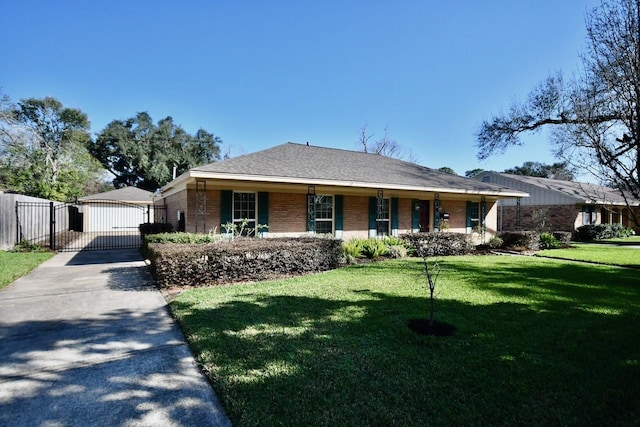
(383, 219)
(324, 214)
(473, 216)
(244, 210)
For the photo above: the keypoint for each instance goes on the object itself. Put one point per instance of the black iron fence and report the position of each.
(91, 225)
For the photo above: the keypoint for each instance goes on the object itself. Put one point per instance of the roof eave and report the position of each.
(176, 184)
(195, 174)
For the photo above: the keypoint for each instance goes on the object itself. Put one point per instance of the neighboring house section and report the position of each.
(558, 205)
(297, 189)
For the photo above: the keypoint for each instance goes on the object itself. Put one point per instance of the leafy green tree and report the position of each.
(559, 170)
(43, 149)
(143, 154)
(447, 169)
(595, 116)
(473, 172)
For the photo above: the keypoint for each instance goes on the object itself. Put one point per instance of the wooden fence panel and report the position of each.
(8, 220)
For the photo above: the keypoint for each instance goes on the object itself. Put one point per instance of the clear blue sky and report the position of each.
(260, 73)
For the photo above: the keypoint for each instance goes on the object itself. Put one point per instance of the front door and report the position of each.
(425, 215)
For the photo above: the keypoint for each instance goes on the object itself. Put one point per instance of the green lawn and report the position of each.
(17, 264)
(620, 241)
(538, 342)
(621, 254)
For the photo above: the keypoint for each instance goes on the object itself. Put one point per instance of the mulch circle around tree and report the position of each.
(438, 329)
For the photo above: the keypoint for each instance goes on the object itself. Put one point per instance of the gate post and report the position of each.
(17, 223)
(52, 227)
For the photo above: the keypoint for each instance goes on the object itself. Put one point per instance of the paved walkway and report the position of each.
(86, 340)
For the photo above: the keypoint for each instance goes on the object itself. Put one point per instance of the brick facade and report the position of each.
(356, 216)
(174, 203)
(553, 217)
(288, 216)
(287, 213)
(211, 222)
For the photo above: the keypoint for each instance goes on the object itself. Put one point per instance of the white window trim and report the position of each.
(255, 207)
(333, 214)
(388, 220)
(475, 221)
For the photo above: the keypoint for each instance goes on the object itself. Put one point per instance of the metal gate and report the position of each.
(91, 225)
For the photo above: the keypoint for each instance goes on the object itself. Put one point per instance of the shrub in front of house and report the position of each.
(527, 240)
(495, 242)
(240, 260)
(548, 241)
(589, 232)
(149, 228)
(352, 250)
(564, 237)
(438, 244)
(373, 248)
(183, 238)
(179, 238)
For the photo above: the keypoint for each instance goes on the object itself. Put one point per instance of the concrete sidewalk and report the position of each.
(86, 340)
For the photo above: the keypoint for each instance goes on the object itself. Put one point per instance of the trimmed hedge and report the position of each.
(564, 237)
(155, 228)
(438, 244)
(240, 260)
(183, 238)
(601, 231)
(520, 239)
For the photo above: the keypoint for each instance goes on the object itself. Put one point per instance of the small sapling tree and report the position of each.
(432, 270)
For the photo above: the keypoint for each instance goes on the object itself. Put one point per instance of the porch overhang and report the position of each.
(300, 185)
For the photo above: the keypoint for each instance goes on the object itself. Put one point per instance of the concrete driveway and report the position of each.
(86, 340)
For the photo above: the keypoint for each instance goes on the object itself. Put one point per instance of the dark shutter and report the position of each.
(394, 213)
(263, 209)
(226, 205)
(339, 212)
(469, 212)
(415, 214)
(373, 213)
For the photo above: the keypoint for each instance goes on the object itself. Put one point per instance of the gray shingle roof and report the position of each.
(306, 162)
(579, 190)
(126, 194)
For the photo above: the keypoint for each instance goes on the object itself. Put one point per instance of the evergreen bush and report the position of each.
(439, 243)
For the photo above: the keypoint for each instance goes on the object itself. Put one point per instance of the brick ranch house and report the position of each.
(298, 189)
(563, 205)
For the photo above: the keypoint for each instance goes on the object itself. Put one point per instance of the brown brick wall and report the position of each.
(356, 216)
(212, 220)
(457, 211)
(174, 203)
(405, 212)
(558, 217)
(287, 213)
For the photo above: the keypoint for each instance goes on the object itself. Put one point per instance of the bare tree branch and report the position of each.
(595, 117)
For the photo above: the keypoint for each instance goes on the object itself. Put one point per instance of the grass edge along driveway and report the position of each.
(538, 341)
(14, 265)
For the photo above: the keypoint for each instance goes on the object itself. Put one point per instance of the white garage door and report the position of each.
(110, 217)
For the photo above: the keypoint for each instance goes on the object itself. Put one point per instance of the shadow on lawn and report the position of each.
(633, 243)
(567, 356)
